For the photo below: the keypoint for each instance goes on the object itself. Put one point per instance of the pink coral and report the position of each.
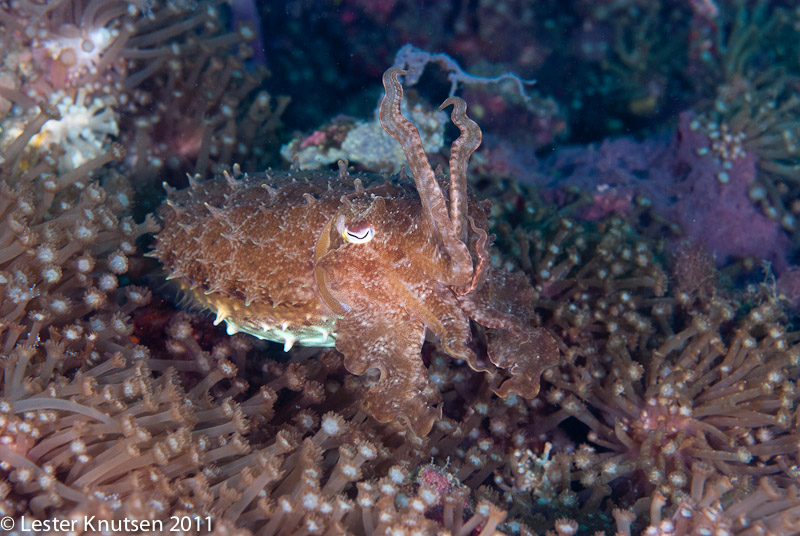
(700, 180)
(710, 198)
(316, 138)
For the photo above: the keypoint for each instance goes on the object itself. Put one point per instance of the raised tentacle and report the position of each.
(460, 151)
(433, 202)
(484, 259)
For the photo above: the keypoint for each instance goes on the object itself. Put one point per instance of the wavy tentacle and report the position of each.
(460, 152)
(433, 202)
(484, 259)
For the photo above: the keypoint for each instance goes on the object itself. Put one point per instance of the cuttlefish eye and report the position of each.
(360, 235)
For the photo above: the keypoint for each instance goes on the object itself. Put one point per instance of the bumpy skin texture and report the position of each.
(366, 262)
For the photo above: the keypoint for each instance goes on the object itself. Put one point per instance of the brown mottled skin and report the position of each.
(366, 262)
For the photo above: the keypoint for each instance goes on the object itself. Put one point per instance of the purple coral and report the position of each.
(709, 199)
(698, 179)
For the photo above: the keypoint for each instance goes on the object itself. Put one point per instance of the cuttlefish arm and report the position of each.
(434, 207)
(503, 305)
(524, 351)
(370, 339)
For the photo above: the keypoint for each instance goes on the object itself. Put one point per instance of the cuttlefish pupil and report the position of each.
(360, 235)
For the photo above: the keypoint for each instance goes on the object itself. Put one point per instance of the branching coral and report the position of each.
(66, 244)
(759, 119)
(655, 380)
(592, 279)
(723, 398)
(63, 247)
(201, 114)
(715, 506)
(123, 439)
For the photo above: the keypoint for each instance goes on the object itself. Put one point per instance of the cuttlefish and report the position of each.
(366, 263)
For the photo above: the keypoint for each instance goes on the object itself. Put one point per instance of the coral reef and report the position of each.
(664, 264)
(698, 187)
(364, 143)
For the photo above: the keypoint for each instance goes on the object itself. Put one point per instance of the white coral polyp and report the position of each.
(82, 52)
(82, 130)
